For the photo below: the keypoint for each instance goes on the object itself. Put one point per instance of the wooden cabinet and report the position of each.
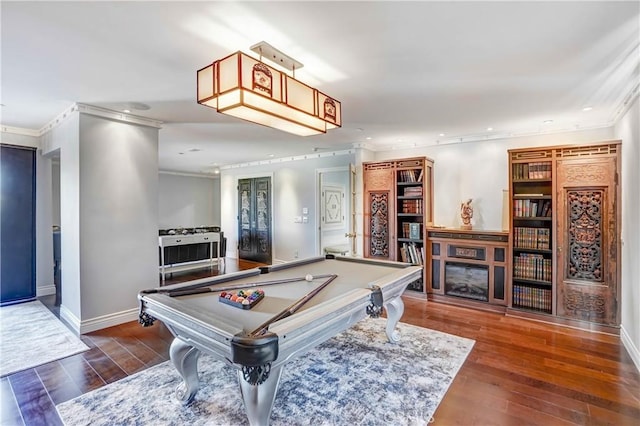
(468, 268)
(565, 233)
(398, 198)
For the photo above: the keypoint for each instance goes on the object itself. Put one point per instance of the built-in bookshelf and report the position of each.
(564, 226)
(398, 205)
(532, 213)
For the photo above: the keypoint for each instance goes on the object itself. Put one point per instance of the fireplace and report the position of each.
(467, 280)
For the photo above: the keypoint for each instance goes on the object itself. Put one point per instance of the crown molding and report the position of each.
(119, 116)
(20, 131)
(627, 101)
(185, 174)
(85, 109)
(287, 159)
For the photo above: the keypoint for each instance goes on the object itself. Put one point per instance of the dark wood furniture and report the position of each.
(18, 224)
(254, 219)
(467, 267)
(565, 242)
(398, 204)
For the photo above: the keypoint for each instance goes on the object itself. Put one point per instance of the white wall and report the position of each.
(628, 130)
(55, 194)
(479, 170)
(44, 227)
(293, 187)
(188, 201)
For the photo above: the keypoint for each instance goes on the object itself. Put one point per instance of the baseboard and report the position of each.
(634, 353)
(45, 290)
(70, 319)
(98, 323)
(105, 321)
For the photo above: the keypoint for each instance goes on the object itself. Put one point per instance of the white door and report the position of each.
(335, 212)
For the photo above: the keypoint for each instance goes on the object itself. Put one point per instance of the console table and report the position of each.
(468, 267)
(182, 252)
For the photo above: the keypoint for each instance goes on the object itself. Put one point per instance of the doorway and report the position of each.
(335, 229)
(254, 219)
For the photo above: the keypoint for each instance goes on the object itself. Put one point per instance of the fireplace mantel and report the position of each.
(468, 267)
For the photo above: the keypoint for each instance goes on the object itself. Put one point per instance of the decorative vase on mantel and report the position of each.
(466, 213)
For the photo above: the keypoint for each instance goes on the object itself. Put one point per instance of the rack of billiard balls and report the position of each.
(244, 299)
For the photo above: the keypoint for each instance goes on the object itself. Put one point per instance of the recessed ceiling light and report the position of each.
(126, 110)
(587, 108)
(270, 155)
(368, 138)
(489, 129)
(137, 105)
(441, 134)
(547, 122)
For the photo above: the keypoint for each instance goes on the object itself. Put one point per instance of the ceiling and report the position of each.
(407, 73)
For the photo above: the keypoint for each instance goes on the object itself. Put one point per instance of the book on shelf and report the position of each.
(532, 297)
(410, 175)
(535, 170)
(414, 230)
(413, 191)
(532, 238)
(410, 253)
(531, 208)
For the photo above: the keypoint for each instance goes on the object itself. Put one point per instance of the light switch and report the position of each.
(305, 219)
(305, 210)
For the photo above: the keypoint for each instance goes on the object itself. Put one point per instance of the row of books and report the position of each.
(538, 170)
(412, 191)
(531, 266)
(414, 175)
(410, 253)
(532, 297)
(412, 206)
(532, 208)
(412, 230)
(532, 238)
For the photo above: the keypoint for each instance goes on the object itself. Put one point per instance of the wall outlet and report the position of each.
(295, 254)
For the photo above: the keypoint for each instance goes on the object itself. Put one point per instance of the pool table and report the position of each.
(248, 339)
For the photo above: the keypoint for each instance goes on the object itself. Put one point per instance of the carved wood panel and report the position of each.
(379, 224)
(587, 283)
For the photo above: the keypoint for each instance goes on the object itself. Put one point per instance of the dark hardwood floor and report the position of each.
(519, 372)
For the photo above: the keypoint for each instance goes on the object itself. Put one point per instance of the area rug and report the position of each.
(355, 378)
(30, 335)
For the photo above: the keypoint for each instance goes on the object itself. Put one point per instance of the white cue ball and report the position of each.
(308, 277)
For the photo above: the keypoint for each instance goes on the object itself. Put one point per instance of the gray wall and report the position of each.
(188, 201)
(628, 129)
(109, 217)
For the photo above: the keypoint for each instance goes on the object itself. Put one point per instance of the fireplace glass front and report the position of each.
(466, 280)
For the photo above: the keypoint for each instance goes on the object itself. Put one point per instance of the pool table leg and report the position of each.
(395, 309)
(258, 399)
(185, 359)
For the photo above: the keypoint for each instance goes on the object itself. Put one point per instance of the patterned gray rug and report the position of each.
(31, 335)
(356, 378)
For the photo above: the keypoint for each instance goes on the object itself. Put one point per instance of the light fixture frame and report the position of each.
(247, 88)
